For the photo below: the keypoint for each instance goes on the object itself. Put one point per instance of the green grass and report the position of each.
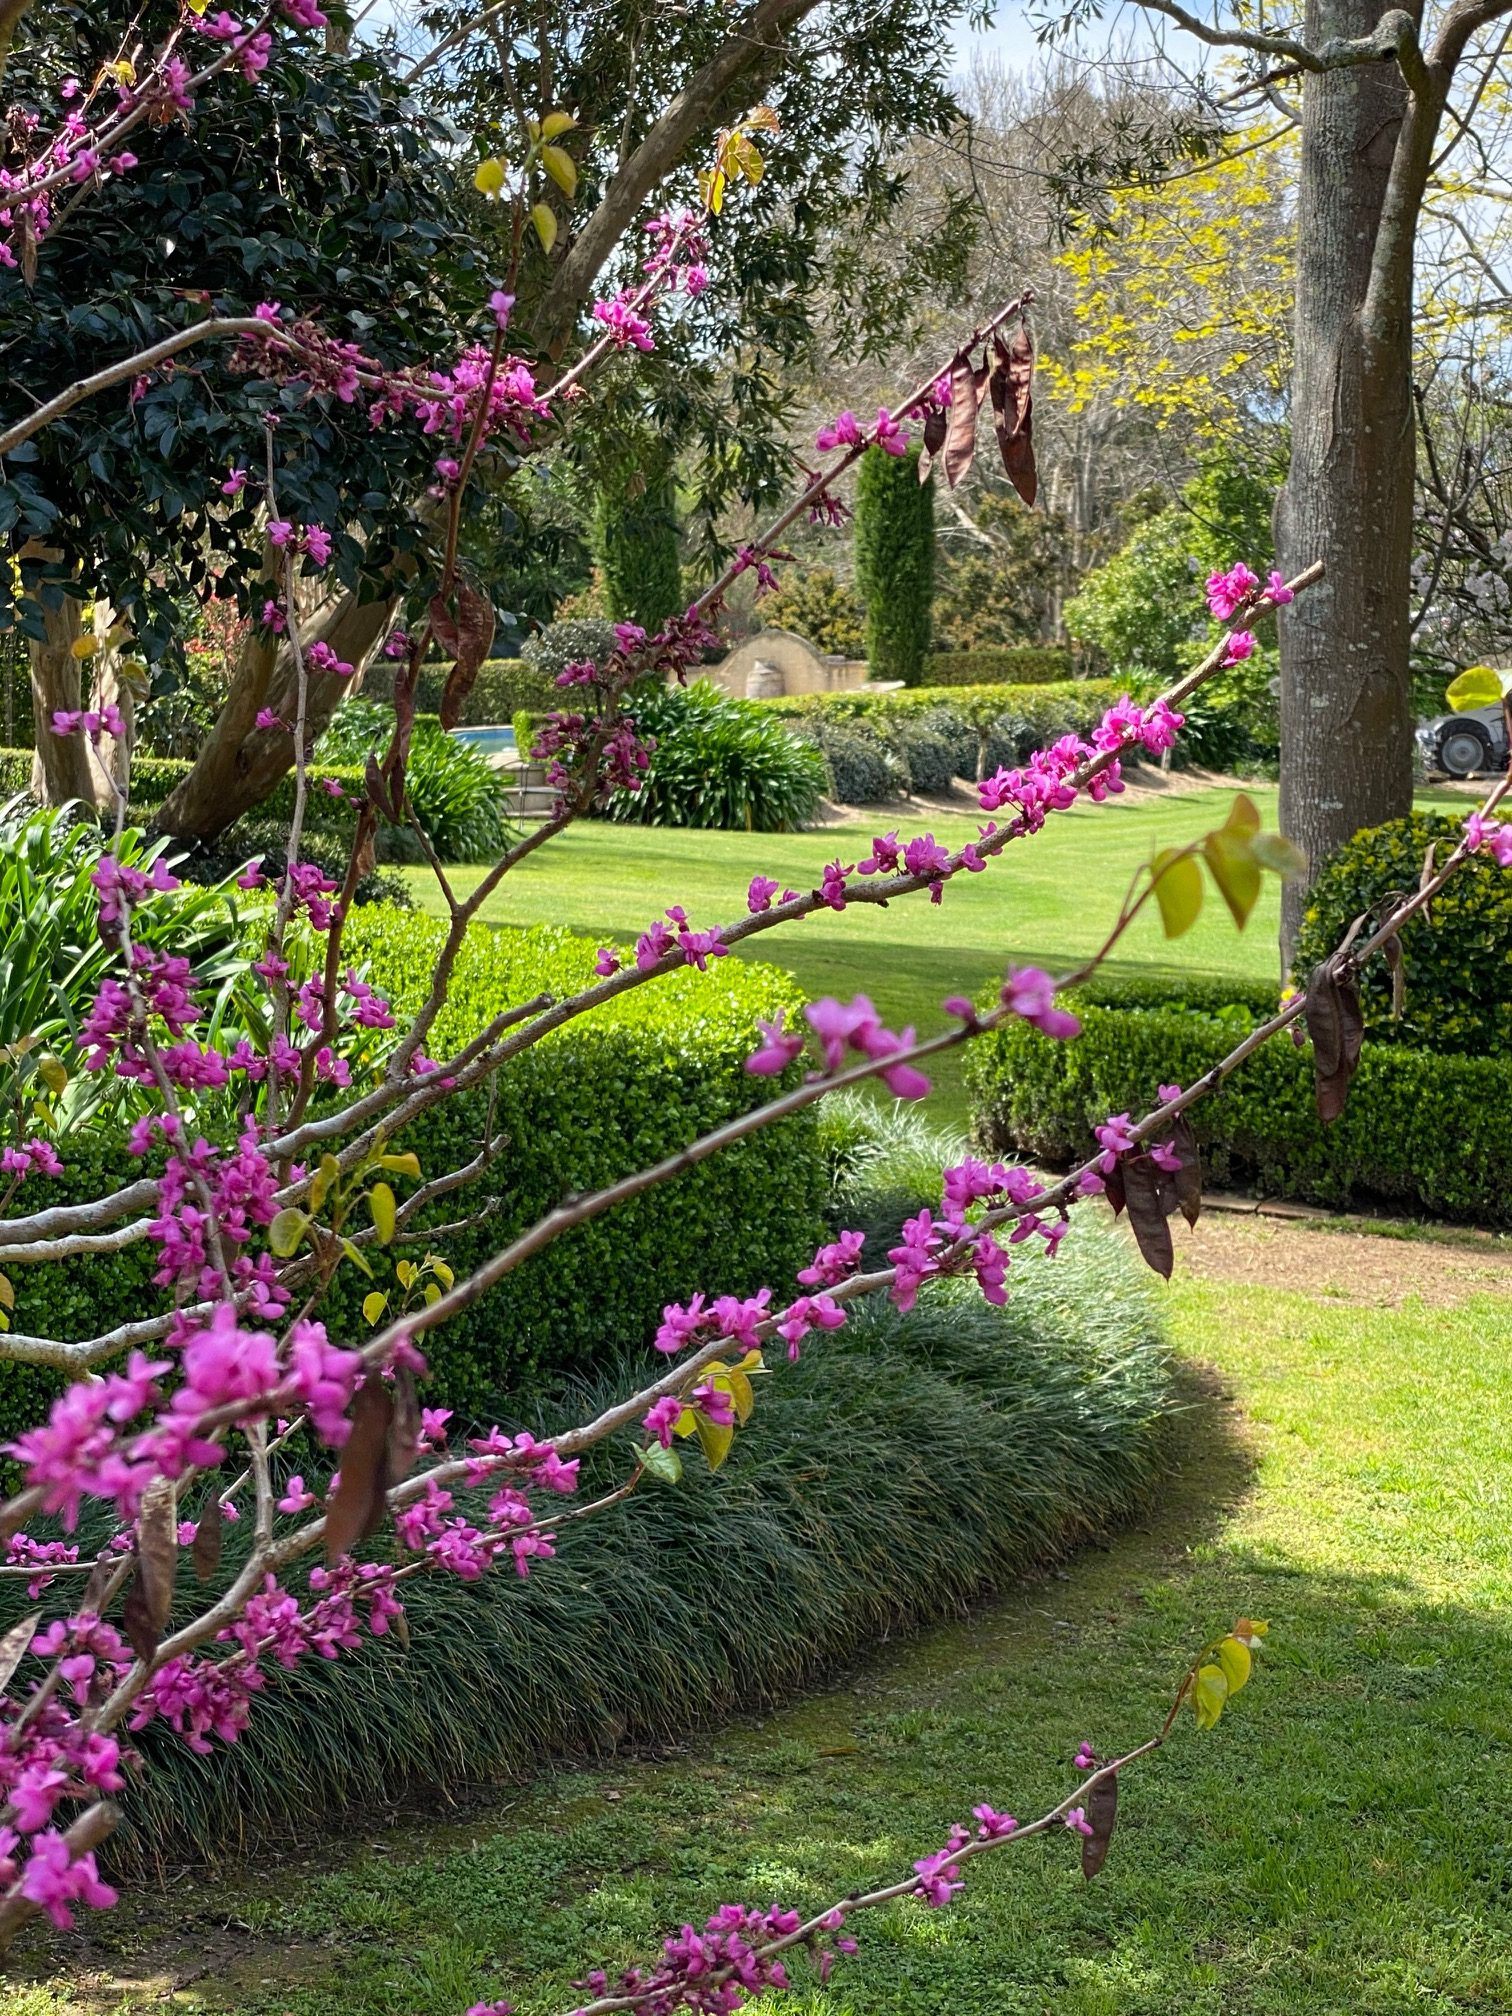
(1339, 1844)
(1048, 901)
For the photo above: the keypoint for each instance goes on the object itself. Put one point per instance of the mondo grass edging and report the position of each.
(904, 1467)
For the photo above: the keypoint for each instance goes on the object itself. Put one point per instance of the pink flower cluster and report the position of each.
(90, 721)
(840, 1027)
(716, 1971)
(1228, 593)
(1489, 836)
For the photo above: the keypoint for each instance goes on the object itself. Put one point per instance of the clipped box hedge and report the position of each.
(1047, 709)
(600, 1098)
(1000, 665)
(153, 777)
(1420, 1132)
(502, 687)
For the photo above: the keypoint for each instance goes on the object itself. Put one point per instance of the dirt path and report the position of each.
(1374, 1269)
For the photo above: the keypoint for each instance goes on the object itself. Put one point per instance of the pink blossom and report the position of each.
(501, 304)
(1276, 591)
(1240, 646)
(844, 430)
(778, 1049)
(1228, 592)
(235, 483)
(891, 438)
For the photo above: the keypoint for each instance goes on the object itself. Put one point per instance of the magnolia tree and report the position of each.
(283, 1157)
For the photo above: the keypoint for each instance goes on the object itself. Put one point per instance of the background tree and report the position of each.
(895, 562)
(635, 534)
(1369, 89)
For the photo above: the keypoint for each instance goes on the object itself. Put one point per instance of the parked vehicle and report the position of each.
(1462, 744)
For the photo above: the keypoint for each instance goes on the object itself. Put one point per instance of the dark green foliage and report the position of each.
(322, 185)
(153, 777)
(606, 1095)
(863, 768)
(635, 538)
(1458, 967)
(502, 687)
(933, 759)
(1420, 1132)
(719, 762)
(895, 559)
(984, 726)
(1000, 665)
(267, 840)
(902, 1467)
(453, 789)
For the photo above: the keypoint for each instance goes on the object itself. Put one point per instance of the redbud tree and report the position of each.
(283, 1152)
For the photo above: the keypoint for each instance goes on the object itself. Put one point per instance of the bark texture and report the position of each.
(240, 762)
(60, 766)
(1346, 709)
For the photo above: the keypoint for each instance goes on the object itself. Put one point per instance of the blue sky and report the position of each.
(1009, 38)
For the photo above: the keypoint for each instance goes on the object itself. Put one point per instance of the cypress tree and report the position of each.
(635, 535)
(895, 562)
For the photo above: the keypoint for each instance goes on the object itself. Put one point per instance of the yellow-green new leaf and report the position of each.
(1280, 855)
(357, 1257)
(663, 1464)
(325, 1179)
(373, 1305)
(384, 1211)
(714, 1440)
(400, 1165)
(1478, 686)
(7, 1293)
(1209, 1692)
(1235, 1660)
(440, 1269)
(286, 1231)
(1232, 864)
(544, 219)
(561, 167)
(1178, 890)
(50, 1070)
(1244, 816)
(555, 124)
(488, 176)
(406, 1270)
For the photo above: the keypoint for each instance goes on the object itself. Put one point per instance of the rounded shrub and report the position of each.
(1457, 968)
(562, 644)
(895, 563)
(862, 768)
(721, 763)
(931, 761)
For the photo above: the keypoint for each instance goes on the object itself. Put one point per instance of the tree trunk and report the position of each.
(110, 758)
(60, 767)
(240, 762)
(1346, 712)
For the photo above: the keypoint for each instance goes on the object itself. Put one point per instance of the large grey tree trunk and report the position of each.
(1346, 714)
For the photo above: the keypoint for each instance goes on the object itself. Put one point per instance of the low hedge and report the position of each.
(1420, 1132)
(502, 687)
(600, 1098)
(904, 1466)
(1000, 665)
(153, 777)
(1456, 966)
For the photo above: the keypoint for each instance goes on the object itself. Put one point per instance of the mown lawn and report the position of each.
(1048, 902)
(1339, 1844)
